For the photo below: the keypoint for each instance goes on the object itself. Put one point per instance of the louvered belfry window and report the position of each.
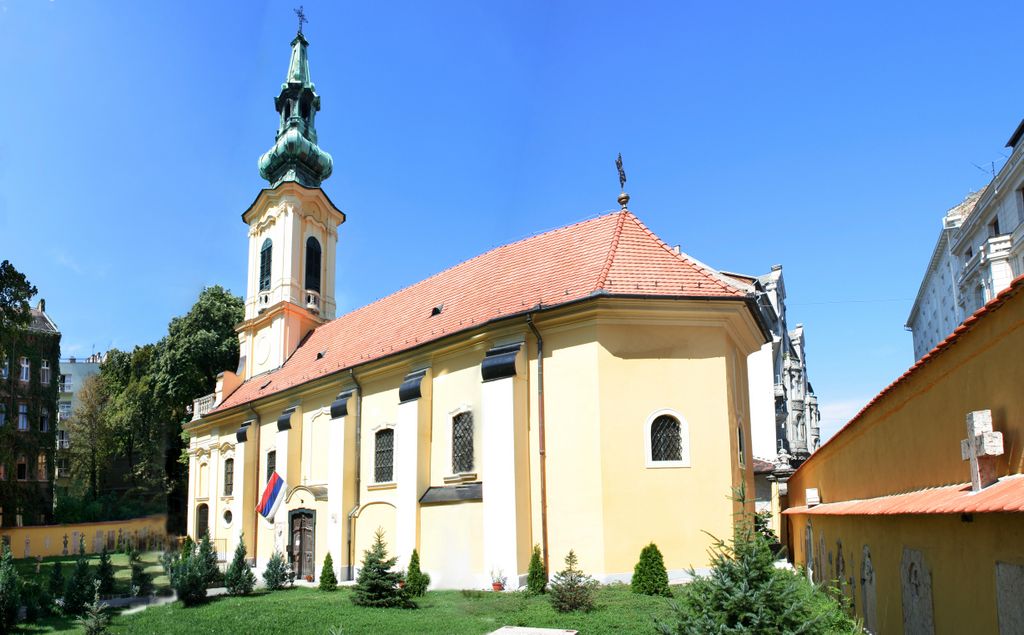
(266, 253)
(312, 264)
(384, 456)
(462, 443)
(666, 442)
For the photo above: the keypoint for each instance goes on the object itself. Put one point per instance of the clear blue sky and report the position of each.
(829, 139)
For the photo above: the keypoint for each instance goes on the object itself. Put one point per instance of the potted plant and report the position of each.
(309, 577)
(498, 580)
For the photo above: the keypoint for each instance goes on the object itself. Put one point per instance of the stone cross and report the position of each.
(981, 447)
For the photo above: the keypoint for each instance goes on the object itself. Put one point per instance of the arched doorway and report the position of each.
(202, 520)
(300, 546)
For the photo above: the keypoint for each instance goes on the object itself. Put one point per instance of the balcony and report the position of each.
(202, 406)
(313, 301)
(995, 247)
(63, 444)
(66, 387)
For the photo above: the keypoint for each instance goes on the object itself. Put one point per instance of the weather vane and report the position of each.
(302, 17)
(623, 198)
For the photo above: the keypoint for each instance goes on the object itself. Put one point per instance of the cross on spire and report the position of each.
(981, 447)
(302, 17)
(623, 198)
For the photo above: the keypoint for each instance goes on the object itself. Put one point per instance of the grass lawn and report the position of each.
(122, 571)
(305, 610)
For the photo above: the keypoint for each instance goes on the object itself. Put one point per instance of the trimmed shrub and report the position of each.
(105, 573)
(239, 578)
(10, 590)
(79, 588)
(571, 589)
(745, 593)
(56, 582)
(95, 619)
(276, 574)
(328, 581)
(649, 574)
(377, 585)
(536, 578)
(416, 582)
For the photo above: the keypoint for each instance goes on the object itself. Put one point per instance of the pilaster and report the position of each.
(283, 448)
(336, 485)
(410, 462)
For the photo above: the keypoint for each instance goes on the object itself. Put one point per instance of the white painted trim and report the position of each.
(684, 433)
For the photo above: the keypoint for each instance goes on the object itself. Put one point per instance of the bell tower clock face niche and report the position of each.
(293, 231)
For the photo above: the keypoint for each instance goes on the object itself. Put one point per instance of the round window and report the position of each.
(227, 517)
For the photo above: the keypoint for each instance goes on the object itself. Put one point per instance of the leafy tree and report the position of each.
(239, 578)
(536, 578)
(649, 575)
(571, 589)
(377, 585)
(95, 619)
(276, 573)
(136, 417)
(416, 582)
(56, 583)
(80, 585)
(105, 573)
(746, 593)
(92, 448)
(15, 292)
(10, 589)
(328, 581)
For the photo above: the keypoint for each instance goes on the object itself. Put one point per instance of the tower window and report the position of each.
(265, 258)
(313, 264)
(462, 443)
(384, 456)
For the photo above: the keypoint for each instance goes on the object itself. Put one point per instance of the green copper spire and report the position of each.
(295, 155)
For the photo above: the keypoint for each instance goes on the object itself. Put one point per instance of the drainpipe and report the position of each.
(541, 444)
(359, 453)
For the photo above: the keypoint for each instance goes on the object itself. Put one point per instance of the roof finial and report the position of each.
(302, 17)
(623, 198)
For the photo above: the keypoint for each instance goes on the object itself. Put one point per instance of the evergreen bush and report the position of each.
(188, 573)
(571, 589)
(56, 582)
(649, 574)
(746, 593)
(36, 600)
(536, 578)
(142, 581)
(95, 619)
(377, 585)
(276, 574)
(416, 582)
(239, 578)
(79, 587)
(105, 573)
(10, 590)
(208, 558)
(328, 581)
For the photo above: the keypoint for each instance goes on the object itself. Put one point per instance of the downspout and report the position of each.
(359, 453)
(541, 445)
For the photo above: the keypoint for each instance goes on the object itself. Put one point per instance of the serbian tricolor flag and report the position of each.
(272, 496)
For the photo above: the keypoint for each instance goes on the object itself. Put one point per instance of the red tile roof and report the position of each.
(1007, 495)
(763, 467)
(614, 254)
(1015, 286)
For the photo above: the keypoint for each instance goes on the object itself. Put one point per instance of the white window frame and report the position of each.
(44, 372)
(451, 438)
(26, 369)
(684, 437)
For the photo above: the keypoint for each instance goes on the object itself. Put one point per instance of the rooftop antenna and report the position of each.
(302, 17)
(623, 197)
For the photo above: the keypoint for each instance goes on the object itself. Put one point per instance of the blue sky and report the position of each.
(827, 138)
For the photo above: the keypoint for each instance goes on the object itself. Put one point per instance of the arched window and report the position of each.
(313, 264)
(22, 469)
(666, 440)
(462, 443)
(202, 520)
(384, 456)
(229, 477)
(266, 252)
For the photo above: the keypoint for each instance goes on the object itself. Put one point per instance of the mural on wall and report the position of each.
(916, 587)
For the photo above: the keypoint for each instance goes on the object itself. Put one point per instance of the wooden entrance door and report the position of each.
(302, 544)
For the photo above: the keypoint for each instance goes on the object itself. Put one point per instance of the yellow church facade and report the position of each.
(580, 389)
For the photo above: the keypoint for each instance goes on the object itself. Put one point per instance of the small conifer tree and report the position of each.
(649, 574)
(80, 587)
(105, 573)
(571, 589)
(142, 581)
(94, 620)
(377, 585)
(328, 581)
(276, 574)
(536, 579)
(188, 574)
(416, 582)
(56, 582)
(239, 578)
(10, 590)
(208, 562)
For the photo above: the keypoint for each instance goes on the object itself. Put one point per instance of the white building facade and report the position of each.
(980, 250)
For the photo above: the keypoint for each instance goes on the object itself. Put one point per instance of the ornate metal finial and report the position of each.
(623, 197)
(302, 17)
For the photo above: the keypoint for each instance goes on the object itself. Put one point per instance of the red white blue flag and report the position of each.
(272, 496)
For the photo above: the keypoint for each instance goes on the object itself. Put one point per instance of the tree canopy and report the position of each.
(15, 292)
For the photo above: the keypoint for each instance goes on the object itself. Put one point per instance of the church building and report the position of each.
(584, 388)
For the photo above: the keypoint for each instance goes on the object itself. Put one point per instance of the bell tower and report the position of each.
(293, 231)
